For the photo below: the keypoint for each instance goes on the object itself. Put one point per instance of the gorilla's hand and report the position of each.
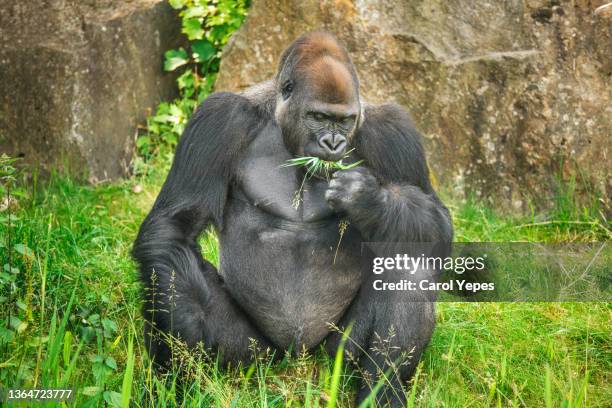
(352, 190)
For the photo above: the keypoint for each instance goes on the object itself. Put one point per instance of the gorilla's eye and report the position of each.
(348, 120)
(318, 116)
(287, 89)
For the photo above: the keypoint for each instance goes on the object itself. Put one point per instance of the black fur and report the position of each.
(183, 294)
(392, 148)
(284, 272)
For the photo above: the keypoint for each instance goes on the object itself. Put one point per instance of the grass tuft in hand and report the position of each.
(316, 165)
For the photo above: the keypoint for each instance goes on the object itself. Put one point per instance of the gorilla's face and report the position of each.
(318, 110)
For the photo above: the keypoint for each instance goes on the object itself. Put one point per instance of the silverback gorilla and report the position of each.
(283, 278)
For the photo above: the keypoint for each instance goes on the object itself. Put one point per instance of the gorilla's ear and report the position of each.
(287, 89)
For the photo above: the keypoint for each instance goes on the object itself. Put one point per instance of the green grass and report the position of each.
(75, 319)
(316, 165)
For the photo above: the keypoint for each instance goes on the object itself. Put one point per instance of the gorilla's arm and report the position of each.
(192, 198)
(391, 199)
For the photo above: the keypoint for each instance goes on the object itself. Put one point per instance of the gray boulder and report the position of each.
(78, 77)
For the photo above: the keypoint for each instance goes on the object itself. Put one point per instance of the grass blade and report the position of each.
(337, 370)
(126, 388)
(548, 388)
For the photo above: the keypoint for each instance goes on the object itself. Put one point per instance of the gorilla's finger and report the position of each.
(357, 186)
(333, 194)
(357, 170)
(336, 183)
(333, 199)
(346, 176)
(360, 172)
(338, 175)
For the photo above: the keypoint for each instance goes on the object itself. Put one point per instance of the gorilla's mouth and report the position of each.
(323, 169)
(318, 167)
(327, 147)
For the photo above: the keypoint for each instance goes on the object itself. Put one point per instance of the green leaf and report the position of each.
(176, 111)
(186, 80)
(177, 4)
(163, 107)
(202, 50)
(93, 319)
(6, 335)
(10, 269)
(143, 141)
(110, 362)
(110, 327)
(192, 27)
(21, 305)
(175, 59)
(100, 371)
(153, 127)
(18, 324)
(37, 341)
(112, 398)
(165, 119)
(24, 250)
(171, 139)
(195, 12)
(98, 359)
(91, 391)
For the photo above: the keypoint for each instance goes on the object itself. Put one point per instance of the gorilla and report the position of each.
(285, 279)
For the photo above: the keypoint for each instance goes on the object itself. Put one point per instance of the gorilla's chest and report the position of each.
(284, 192)
(285, 264)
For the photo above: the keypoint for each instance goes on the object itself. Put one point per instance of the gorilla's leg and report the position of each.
(390, 330)
(185, 297)
(198, 309)
(194, 311)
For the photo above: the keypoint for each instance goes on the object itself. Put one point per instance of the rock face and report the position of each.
(511, 97)
(78, 76)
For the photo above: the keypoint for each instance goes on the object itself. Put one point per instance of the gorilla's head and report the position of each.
(317, 104)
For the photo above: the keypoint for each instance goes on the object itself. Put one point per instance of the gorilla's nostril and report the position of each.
(332, 142)
(339, 142)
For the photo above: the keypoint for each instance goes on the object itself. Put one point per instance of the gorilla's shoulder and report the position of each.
(260, 93)
(388, 140)
(388, 124)
(224, 120)
(257, 100)
(387, 114)
(223, 104)
(262, 96)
